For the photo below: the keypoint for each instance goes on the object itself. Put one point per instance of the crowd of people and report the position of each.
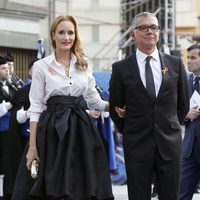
(47, 122)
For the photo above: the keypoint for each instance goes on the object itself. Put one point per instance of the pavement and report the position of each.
(120, 193)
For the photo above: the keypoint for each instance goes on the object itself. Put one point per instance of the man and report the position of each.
(10, 61)
(155, 96)
(191, 142)
(6, 92)
(19, 127)
(14, 79)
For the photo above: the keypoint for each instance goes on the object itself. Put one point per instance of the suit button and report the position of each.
(156, 125)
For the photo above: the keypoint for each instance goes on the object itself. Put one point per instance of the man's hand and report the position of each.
(121, 111)
(193, 113)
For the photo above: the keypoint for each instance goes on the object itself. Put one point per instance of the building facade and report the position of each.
(23, 22)
(179, 21)
(104, 27)
(187, 24)
(165, 12)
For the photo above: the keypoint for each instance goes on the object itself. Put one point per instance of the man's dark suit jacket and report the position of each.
(16, 142)
(192, 132)
(150, 123)
(4, 122)
(4, 95)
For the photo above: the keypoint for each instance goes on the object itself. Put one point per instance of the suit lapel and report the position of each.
(164, 70)
(190, 84)
(162, 60)
(136, 73)
(4, 93)
(11, 90)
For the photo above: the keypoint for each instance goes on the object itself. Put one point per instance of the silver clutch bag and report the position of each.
(34, 169)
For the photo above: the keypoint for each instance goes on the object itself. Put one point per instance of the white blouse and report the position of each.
(49, 79)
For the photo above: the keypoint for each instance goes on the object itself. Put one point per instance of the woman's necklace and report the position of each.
(66, 67)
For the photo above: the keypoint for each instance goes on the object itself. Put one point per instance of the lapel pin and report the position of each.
(164, 70)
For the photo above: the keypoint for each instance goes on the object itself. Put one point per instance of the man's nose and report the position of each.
(149, 30)
(188, 61)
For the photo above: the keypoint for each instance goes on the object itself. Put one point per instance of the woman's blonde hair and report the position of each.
(76, 49)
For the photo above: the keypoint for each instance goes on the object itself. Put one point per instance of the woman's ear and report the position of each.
(53, 34)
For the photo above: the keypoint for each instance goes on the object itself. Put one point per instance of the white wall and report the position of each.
(186, 15)
(19, 25)
(34, 3)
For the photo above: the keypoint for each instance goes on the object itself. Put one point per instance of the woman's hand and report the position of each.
(30, 156)
(94, 113)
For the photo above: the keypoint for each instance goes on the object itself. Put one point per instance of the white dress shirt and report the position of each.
(49, 79)
(4, 106)
(155, 66)
(5, 87)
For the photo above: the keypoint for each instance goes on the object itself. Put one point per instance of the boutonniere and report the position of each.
(51, 71)
(164, 70)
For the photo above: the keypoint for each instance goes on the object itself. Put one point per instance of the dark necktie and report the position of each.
(196, 84)
(150, 86)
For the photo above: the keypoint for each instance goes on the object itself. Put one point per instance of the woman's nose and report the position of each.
(66, 36)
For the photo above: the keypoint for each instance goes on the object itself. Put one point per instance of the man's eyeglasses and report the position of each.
(145, 28)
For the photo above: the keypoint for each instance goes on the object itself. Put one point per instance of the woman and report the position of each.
(63, 139)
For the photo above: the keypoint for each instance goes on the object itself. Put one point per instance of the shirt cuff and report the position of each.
(3, 109)
(103, 106)
(34, 117)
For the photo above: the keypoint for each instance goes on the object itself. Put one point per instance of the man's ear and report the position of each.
(132, 34)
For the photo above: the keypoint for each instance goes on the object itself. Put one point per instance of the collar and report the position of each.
(142, 56)
(52, 59)
(194, 76)
(3, 82)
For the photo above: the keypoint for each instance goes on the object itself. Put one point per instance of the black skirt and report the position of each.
(73, 162)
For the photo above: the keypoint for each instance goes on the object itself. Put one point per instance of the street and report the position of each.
(120, 193)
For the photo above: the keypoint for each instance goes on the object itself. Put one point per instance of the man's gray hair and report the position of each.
(142, 14)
